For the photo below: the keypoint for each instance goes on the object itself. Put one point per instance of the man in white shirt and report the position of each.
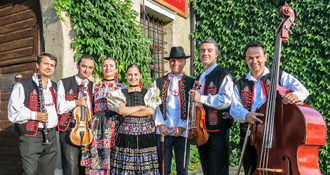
(215, 97)
(37, 155)
(68, 98)
(251, 92)
(170, 117)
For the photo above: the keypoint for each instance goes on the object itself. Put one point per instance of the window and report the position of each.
(155, 31)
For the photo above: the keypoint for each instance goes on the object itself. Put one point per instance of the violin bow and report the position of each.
(246, 140)
(162, 160)
(186, 141)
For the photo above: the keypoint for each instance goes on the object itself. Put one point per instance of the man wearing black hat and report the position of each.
(215, 97)
(170, 117)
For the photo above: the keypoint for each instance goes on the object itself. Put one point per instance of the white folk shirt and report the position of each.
(219, 101)
(288, 81)
(64, 106)
(19, 113)
(173, 106)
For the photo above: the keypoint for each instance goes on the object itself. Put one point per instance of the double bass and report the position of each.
(81, 134)
(288, 140)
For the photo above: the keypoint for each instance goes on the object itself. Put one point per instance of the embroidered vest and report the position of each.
(215, 120)
(185, 84)
(31, 91)
(71, 89)
(246, 90)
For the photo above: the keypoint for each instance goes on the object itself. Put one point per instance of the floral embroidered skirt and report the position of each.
(135, 152)
(96, 156)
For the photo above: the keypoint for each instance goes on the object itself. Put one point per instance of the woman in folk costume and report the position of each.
(96, 156)
(135, 151)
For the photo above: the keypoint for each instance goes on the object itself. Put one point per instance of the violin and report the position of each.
(288, 140)
(197, 134)
(81, 134)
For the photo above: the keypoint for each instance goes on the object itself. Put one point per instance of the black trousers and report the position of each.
(71, 155)
(250, 158)
(214, 154)
(38, 158)
(178, 145)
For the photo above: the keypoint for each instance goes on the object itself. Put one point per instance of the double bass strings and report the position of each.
(270, 111)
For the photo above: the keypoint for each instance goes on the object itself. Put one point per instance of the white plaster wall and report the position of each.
(57, 37)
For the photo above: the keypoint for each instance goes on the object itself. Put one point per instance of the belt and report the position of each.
(48, 129)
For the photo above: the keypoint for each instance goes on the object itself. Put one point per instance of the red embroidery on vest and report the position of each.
(183, 98)
(212, 113)
(164, 96)
(64, 118)
(30, 125)
(267, 87)
(33, 106)
(246, 98)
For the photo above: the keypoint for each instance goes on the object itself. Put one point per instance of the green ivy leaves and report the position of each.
(108, 29)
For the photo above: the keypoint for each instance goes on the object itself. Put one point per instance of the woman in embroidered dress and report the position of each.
(96, 156)
(135, 151)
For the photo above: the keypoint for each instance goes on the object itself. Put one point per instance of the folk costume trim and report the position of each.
(32, 125)
(212, 113)
(183, 97)
(164, 96)
(64, 121)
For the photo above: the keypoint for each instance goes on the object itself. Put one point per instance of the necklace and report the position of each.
(108, 79)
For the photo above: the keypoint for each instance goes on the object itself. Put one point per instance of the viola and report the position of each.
(288, 140)
(197, 134)
(81, 134)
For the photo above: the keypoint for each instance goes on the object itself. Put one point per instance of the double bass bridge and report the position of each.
(270, 170)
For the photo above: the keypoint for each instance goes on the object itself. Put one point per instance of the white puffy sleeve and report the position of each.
(152, 98)
(114, 98)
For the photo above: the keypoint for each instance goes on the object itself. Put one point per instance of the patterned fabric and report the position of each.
(96, 156)
(101, 91)
(135, 151)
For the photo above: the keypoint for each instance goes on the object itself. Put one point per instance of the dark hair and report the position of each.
(41, 56)
(112, 60)
(85, 57)
(134, 65)
(211, 41)
(255, 44)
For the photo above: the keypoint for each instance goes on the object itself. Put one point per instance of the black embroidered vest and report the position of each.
(71, 89)
(31, 100)
(215, 120)
(246, 89)
(185, 84)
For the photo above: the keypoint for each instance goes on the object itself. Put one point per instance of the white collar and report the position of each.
(251, 78)
(36, 80)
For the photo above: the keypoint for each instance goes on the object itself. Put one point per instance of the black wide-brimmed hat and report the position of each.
(177, 52)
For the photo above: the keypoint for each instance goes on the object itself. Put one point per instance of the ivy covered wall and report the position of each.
(306, 55)
(108, 29)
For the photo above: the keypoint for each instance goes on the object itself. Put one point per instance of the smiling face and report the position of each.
(255, 59)
(109, 68)
(208, 55)
(133, 76)
(177, 65)
(85, 68)
(46, 67)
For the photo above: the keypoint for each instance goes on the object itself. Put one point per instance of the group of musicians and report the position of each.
(221, 99)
